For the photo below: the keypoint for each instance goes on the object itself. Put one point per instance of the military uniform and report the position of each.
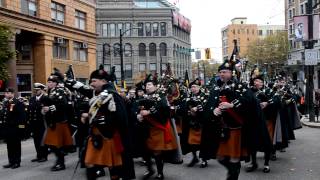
(37, 124)
(13, 118)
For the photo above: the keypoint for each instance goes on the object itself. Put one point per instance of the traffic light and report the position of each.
(207, 53)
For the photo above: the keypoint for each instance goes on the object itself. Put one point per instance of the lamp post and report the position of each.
(121, 52)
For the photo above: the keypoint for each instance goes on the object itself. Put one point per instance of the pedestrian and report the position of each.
(13, 118)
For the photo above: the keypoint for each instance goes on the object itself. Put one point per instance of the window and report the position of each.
(116, 50)
(112, 28)
(148, 29)
(140, 29)
(153, 67)
(25, 52)
(247, 31)
(57, 12)
(128, 29)
(60, 48)
(24, 82)
(163, 49)
(128, 71)
(301, 9)
(80, 22)
(152, 49)
(163, 29)
(260, 32)
(119, 27)
(104, 30)
(290, 14)
(290, 29)
(107, 49)
(252, 32)
(155, 29)
(142, 50)
(117, 71)
(28, 7)
(107, 67)
(142, 67)
(128, 50)
(80, 52)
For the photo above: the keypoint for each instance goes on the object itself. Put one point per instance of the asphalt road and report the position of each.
(301, 161)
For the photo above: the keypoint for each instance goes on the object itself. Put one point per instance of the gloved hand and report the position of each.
(71, 83)
(52, 108)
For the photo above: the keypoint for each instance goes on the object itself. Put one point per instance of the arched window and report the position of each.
(116, 49)
(174, 49)
(163, 49)
(128, 50)
(152, 49)
(107, 49)
(142, 49)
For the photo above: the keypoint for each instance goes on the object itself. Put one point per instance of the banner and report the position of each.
(301, 28)
(181, 21)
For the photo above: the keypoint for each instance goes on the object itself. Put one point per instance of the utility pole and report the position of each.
(121, 59)
(310, 69)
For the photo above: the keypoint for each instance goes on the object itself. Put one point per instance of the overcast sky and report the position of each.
(209, 16)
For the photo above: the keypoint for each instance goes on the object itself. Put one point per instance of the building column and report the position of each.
(43, 58)
(12, 65)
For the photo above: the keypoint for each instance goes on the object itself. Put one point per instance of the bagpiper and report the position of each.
(155, 112)
(58, 135)
(13, 117)
(109, 143)
(193, 122)
(227, 107)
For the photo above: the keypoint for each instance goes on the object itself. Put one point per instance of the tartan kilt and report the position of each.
(232, 147)
(109, 155)
(194, 137)
(271, 127)
(178, 121)
(60, 136)
(156, 140)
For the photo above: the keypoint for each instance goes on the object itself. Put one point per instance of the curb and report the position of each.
(308, 124)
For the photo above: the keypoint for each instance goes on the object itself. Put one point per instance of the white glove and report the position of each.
(217, 112)
(52, 108)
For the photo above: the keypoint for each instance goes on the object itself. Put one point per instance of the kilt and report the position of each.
(60, 136)
(156, 140)
(194, 137)
(271, 127)
(232, 147)
(109, 155)
(178, 122)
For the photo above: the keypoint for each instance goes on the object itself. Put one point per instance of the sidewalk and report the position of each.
(305, 121)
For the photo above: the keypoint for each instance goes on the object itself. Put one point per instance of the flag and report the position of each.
(198, 54)
(186, 78)
(235, 51)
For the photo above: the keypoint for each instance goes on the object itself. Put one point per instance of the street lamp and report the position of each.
(121, 52)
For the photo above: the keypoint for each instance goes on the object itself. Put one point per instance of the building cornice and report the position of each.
(21, 19)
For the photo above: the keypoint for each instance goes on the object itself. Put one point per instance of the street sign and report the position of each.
(311, 57)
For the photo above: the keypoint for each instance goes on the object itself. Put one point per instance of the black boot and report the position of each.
(159, 163)
(194, 160)
(60, 161)
(234, 171)
(204, 163)
(91, 173)
(150, 170)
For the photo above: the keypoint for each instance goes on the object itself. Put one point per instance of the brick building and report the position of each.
(49, 34)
